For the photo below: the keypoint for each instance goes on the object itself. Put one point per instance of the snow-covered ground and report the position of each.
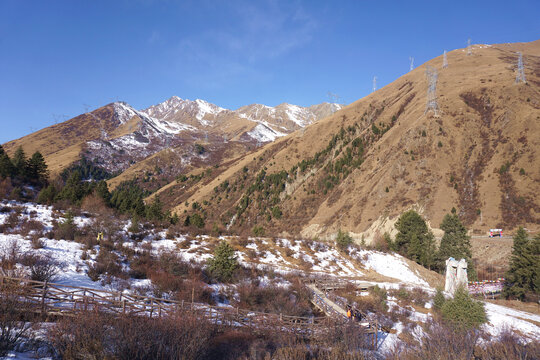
(283, 256)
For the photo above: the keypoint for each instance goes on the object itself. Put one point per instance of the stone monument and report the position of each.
(456, 275)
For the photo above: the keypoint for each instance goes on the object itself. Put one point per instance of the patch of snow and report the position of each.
(501, 316)
(392, 266)
(264, 133)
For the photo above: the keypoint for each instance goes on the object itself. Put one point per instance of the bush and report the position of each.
(258, 230)
(438, 300)
(44, 269)
(439, 341)
(99, 336)
(463, 312)
(107, 263)
(507, 346)
(13, 328)
(194, 220)
(276, 212)
(67, 229)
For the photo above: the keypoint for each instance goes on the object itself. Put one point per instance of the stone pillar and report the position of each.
(451, 275)
(456, 275)
(462, 279)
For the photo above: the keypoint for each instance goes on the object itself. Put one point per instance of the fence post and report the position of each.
(43, 299)
(123, 306)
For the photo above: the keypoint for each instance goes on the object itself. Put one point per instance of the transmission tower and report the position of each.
(374, 84)
(445, 60)
(520, 76)
(411, 60)
(431, 103)
(469, 49)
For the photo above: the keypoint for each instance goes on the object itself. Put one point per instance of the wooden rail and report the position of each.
(51, 299)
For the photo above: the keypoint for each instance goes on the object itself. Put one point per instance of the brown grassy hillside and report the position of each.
(62, 143)
(361, 167)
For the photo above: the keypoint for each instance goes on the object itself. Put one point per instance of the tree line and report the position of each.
(415, 241)
(23, 172)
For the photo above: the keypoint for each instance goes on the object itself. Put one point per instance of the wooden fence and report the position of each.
(50, 299)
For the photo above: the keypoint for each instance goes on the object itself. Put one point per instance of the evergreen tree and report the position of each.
(37, 172)
(438, 300)
(343, 240)
(102, 191)
(154, 211)
(75, 189)
(224, 263)
(463, 312)
(535, 251)
(522, 275)
(414, 239)
(415, 248)
(6, 166)
(47, 195)
(19, 162)
(455, 243)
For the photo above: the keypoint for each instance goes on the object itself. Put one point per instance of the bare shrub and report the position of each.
(438, 342)
(30, 226)
(94, 204)
(5, 187)
(271, 298)
(13, 327)
(41, 268)
(507, 346)
(98, 336)
(419, 296)
(4, 209)
(107, 263)
(10, 255)
(37, 242)
(12, 219)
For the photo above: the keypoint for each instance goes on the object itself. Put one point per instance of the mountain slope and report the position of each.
(361, 167)
(117, 136)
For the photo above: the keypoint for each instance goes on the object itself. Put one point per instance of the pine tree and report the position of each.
(103, 191)
(534, 247)
(154, 212)
(224, 263)
(429, 251)
(47, 195)
(463, 312)
(414, 239)
(19, 162)
(343, 240)
(37, 171)
(455, 243)
(522, 275)
(438, 300)
(6, 166)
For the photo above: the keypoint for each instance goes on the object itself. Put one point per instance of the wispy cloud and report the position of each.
(154, 37)
(259, 32)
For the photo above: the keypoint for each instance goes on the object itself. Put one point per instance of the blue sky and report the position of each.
(59, 58)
